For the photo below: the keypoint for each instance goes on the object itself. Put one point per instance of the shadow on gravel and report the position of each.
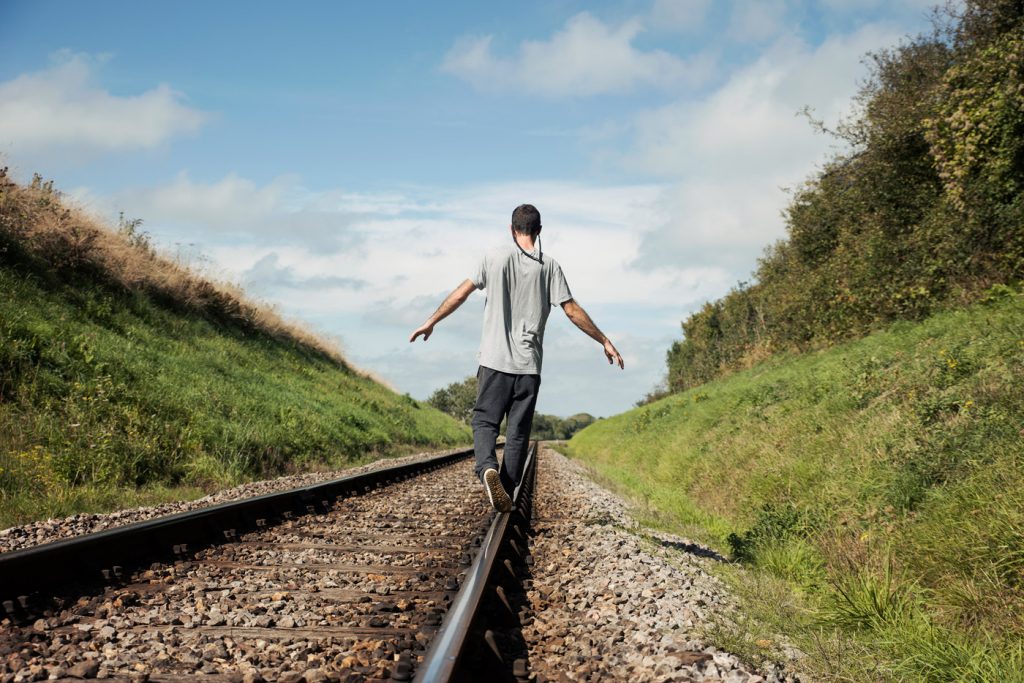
(518, 651)
(690, 548)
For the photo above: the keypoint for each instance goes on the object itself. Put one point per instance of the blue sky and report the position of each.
(348, 162)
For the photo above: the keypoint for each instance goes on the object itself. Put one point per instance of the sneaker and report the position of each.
(496, 492)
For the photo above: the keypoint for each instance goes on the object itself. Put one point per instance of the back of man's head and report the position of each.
(526, 220)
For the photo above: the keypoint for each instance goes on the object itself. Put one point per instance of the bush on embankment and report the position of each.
(923, 212)
(122, 371)
(881, 479)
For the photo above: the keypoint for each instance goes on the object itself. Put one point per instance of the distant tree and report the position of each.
(659, 392)
(457, 399)
(554, 428)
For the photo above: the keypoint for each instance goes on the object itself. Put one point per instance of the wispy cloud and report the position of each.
(378, 265)
(268, 275)
(225, 204)
(62, 108)
(755, 21)
(586, 57)
(679, 15)
(912, 5)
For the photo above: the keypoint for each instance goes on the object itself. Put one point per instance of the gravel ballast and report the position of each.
(610, 603)
(607, 599)
(354, 595)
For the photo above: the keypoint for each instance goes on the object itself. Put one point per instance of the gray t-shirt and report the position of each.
(520, 294)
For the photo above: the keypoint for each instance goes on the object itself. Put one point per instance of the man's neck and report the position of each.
(525, 241)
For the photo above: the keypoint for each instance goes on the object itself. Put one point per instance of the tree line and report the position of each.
(457, 400)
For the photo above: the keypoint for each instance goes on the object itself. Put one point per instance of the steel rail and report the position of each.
(462, 626)
(32, 577)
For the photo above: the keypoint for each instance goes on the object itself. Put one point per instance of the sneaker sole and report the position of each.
(496, 492)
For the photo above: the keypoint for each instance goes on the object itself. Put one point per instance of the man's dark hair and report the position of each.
(526, 220)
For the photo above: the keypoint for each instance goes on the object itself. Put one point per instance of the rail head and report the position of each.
(447, 651)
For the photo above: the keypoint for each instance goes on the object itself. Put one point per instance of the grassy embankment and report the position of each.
(874, 488)
(126, 379)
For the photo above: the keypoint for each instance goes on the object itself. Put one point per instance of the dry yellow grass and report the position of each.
(40, 221)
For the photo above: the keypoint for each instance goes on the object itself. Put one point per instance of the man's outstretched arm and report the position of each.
(447, 307)
(581, 320)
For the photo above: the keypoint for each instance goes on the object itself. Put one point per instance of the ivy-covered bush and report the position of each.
(924, 211)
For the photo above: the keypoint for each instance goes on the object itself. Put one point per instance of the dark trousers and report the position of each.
(499, 394)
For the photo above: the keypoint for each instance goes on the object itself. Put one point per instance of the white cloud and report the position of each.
(757, 20)
(225, 204)
(401, 243)
(399, 254)
(586, 57)
(860, 5)
(731, 152)
(233, 207)
(62, 108)
(679, 15)
(577, 377)
(268, 274)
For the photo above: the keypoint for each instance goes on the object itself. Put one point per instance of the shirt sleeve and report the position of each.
(558, 288)
(479, 277)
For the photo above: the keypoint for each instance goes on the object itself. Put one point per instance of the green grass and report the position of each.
(876, 484)
(109, 398)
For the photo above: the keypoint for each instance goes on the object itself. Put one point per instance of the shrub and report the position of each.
(923, 212)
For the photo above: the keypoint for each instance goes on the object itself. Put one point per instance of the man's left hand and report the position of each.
(613, 354)
(425, 329)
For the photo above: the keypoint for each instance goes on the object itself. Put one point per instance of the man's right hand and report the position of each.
(613, 354)
(453, 301)
(425, 329)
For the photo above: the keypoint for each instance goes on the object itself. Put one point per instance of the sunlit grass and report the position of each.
(871, 490)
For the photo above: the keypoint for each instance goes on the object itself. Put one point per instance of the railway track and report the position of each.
(399, 574)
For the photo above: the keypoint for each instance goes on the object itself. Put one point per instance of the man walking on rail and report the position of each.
(522, 284)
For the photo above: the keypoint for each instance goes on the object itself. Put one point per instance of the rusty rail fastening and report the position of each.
(468, 646)
(33, 580)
